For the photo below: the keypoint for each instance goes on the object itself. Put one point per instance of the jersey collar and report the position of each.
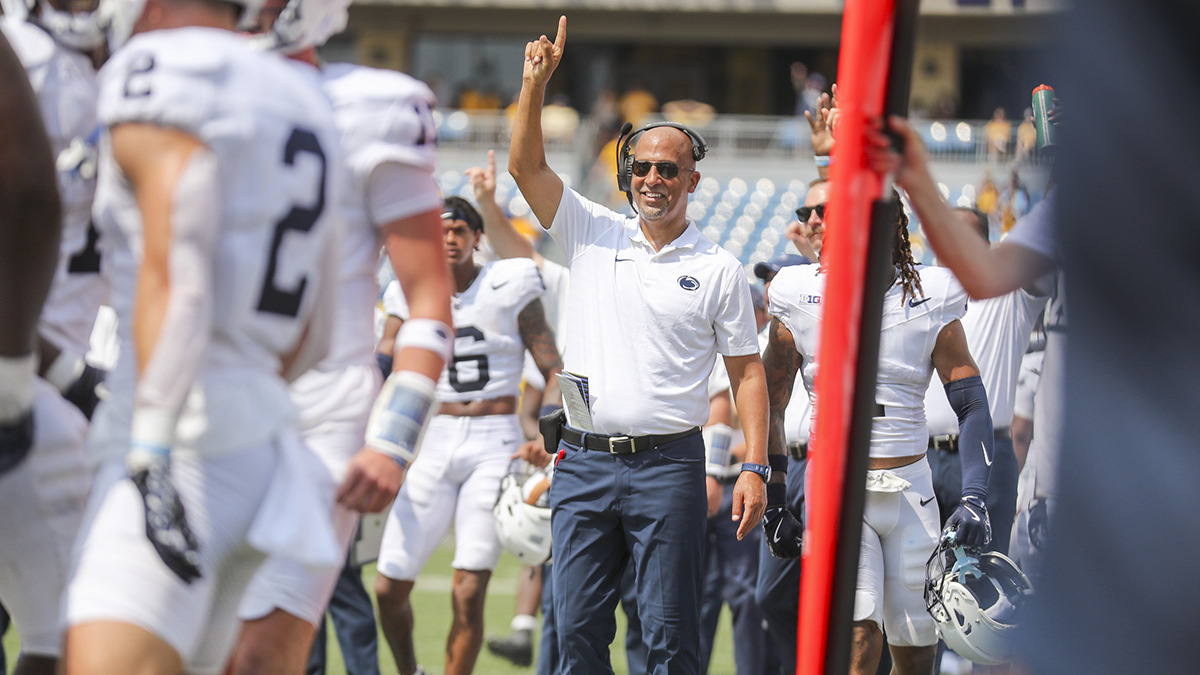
(687, 239)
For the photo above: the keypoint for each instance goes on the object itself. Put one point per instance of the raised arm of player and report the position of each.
(539, 340)
(539, 184)
(964, 389)
(984, 271)
(749, 384)
(30, 228)
(504, 238)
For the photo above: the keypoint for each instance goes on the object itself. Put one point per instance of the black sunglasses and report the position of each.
(667, 170)
(804, 212)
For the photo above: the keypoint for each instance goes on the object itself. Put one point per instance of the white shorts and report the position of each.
(334, 407)
(42, 502)
(457, 475)
(898, 535)
(117, 575)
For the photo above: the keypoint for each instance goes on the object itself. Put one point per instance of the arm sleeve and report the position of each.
(396, 191)
(975, 436)
(734, 324)
(175, 359)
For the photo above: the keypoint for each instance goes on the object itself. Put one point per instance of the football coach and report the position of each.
(651, 304)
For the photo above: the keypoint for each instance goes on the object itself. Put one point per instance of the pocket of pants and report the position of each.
(685, 450)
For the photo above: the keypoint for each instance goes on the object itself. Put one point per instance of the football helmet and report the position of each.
(306, 23)
(976, 600)
(522, 514)
(78, 27)
(120, 16)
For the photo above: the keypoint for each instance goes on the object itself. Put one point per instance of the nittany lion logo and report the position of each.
(689, 283)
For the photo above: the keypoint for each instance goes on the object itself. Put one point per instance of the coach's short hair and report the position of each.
(457, 208)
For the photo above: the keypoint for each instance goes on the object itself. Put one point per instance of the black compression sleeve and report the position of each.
(975, 435)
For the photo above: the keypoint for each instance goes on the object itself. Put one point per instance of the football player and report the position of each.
(390, 199)
(219, 166)
(497, 317)
(921, 333)
(43, 501)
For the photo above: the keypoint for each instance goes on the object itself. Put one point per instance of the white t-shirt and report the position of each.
(1027, 385)
(489, 354)
(1036, 231)
(66, 89)
(797, 416)
(387, 136)
(271, 132)
(997, 331)
(910, 331)
(645, 327)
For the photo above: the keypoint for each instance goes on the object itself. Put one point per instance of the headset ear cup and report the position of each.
(625, 169)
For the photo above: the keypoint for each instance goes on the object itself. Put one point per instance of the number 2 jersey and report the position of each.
(488, 350)
(910, 329)
(66, 89)
(271, 132)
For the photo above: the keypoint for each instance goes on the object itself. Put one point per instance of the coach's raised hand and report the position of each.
(542, 56)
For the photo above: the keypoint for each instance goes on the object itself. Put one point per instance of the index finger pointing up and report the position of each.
(560, 38)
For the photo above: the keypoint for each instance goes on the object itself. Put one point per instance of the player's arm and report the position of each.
(781, 362)
(30, 229)
(423, 344)
(964, 390)
(539, 340)
(749, 384)
(540, 185)
(176, 184)
(531, 407)
(504, 238)
(984, 271)
(385, 351)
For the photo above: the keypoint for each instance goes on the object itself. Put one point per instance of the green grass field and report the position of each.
(431, 607)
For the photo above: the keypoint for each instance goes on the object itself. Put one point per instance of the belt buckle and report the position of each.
(613, 442)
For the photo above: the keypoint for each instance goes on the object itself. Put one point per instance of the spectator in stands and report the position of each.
(1026, 137)
(799, 83)
(987, 198)
(998, 131)
(559, 119)
(692, 113)
(813, 88)
(1014, 202)
(605, 112)
(637, 103)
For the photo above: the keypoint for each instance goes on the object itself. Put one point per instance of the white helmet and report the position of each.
(977, 603)
(80, 31)
(522, 514)
(120, 16)
(307, 23)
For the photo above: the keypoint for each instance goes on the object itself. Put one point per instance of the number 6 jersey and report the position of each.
(271, 132)
(489, 353)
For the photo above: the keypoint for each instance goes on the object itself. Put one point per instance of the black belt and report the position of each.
(949, 442)
(798, 450)
(622, 445)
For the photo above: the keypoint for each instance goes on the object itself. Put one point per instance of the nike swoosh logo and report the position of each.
(926, 501)
(624, 259)
(987, 459)
(495, 286)
(917, 303)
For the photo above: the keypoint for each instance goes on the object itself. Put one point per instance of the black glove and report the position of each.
(970, 522)
(16, 438)
(166, 523)
(782, 531)
(1039, 517)
(85, 392)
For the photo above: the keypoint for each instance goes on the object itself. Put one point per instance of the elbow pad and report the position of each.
(975, 435)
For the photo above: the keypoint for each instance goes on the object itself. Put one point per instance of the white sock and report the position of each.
(524, 622)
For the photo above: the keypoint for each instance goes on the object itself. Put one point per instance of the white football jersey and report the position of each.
(910, 330)
(382, 116)
(271, 132)
(66, 88)
(488, 351)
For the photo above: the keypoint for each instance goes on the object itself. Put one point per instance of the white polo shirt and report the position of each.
(998, 331)
(645, 327)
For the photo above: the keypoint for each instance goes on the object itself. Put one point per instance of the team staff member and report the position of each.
(998, 330)
(651, 304)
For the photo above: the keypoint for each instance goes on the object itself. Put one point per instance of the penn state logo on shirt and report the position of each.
(689, 283)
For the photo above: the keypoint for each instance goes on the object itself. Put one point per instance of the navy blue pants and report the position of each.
(778, 586)
(648, 507)
(547, 660)
(354, 622)
(635, 648)
(1002, 488)
(731, 577)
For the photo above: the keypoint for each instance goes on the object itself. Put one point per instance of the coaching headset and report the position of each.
(625, 152)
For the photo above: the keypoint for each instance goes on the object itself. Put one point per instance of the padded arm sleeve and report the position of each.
(183, 338)
(975, 440)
